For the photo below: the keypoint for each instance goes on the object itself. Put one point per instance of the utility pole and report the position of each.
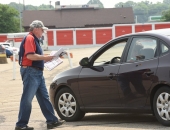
(136, 19)
(50, 4)
(20, 23)
(23, 4)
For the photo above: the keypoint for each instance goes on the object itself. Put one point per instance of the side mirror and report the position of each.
(84, 61)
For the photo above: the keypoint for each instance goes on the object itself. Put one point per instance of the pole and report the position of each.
(50, 4)
(20, 21)
(69, 59)
(14, 66)
(23, 4)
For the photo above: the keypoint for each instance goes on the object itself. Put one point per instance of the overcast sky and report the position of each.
(107, 3)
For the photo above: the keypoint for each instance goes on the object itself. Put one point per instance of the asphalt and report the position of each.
(11, 89)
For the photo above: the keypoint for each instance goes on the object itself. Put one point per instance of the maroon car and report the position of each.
(128, 74)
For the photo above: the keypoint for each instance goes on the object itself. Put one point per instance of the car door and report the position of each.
(138, 71)
(98, 83)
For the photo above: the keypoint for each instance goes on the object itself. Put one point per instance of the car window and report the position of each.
(142, 49)
(113, 52)
(6, 44)
(164, 48)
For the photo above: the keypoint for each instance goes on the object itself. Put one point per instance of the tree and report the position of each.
(126, 4)
(142, 10)
(119, 5)
(96, 2)
(31, 7)
(166, 1)
(45, 7)
(9, 19)
(166, 15)
(19, 7)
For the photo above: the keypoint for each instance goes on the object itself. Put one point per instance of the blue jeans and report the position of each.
(34, 84)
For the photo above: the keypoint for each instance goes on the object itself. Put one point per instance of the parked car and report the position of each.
(2, 49)
(9, 49)
(128, 74)
(8, 53)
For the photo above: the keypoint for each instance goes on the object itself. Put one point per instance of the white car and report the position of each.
(14, 50)
(7, 45)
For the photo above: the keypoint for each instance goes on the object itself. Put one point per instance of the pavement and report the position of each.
(11, 89)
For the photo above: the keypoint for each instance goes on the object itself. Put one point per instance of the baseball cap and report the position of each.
(38, 24)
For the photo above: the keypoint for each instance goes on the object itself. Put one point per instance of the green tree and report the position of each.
(166, 15)
(9, 19)
(31, 7)
(119, 5)
(142, 10)
(20, 7)
(126, 4)
(45, 7)
(166, 1)
(96, 2)
(16, 6)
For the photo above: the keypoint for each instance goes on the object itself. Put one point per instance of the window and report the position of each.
(114, 52)
(141, 49)
(164, 48)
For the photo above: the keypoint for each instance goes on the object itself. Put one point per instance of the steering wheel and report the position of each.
(115, 60)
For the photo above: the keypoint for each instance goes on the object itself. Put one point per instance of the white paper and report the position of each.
(55, 61)
(57, 53)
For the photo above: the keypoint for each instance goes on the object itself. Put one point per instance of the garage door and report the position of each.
(84, 37)
(122, 30)
(142, 28)
(3, 38)
(50, 38)
(65, 37)
(103, 36)
(161, 26)
(18, 39)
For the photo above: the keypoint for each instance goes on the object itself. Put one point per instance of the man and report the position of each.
(31, 60)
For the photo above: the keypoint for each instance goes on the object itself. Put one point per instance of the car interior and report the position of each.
(148, 53)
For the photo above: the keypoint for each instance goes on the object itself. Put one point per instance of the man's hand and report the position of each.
(48, 58)
(63, 53)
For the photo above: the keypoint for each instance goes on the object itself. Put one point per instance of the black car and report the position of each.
(128, 74)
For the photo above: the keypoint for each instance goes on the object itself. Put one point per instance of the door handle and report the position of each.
(149, 73)
(138, 65)
(111, 76)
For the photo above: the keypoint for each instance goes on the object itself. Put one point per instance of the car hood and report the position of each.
(71, 72)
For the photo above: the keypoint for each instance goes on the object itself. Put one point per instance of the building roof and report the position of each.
(79, 18)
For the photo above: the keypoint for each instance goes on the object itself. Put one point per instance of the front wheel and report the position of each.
(161, 105)
(67, 106)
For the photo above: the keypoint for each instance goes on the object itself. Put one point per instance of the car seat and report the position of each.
(147, 52)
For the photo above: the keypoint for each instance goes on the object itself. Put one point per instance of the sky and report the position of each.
(106, 3)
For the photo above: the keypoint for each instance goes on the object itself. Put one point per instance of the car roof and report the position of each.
(158, 32)
(163, 34)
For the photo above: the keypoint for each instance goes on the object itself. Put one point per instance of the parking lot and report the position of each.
(11, 90)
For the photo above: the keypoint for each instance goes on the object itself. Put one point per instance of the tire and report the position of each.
(161, 105)
(68, 108)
